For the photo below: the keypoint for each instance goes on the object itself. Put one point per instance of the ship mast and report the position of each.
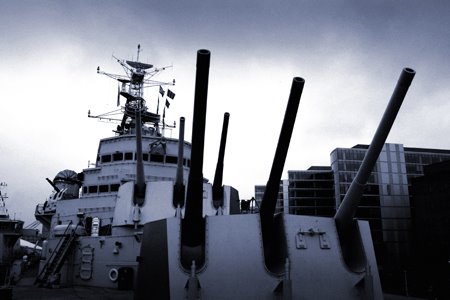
(138, 76)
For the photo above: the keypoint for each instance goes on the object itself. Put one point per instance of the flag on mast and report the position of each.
(170, 94)
(161, 91)
(167, 103)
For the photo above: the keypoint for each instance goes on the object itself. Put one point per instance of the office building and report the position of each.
(386, 202)
(282, 201)
(430, 197)
(311, 192)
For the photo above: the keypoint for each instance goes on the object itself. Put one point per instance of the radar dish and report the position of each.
(139, 65)
(66, 175)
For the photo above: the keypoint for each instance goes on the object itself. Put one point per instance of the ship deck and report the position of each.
(72, 293)
(25, 289)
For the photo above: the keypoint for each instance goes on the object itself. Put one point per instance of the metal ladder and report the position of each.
(56, 260)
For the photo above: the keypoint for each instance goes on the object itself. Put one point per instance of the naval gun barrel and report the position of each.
(53, 185)
(139, 193)
(178, 197)
(218, 176)
(347, 209)
(270, 196)
(193, 226)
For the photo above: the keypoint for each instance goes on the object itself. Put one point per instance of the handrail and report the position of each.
(57, 248)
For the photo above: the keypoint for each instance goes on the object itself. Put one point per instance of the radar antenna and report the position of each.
(138, 72)
(138, 75)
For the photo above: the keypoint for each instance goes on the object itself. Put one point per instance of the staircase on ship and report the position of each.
(50, 272)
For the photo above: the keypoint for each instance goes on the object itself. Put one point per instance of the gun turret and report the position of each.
(270, 196)
(179, 189)
(193, 227)
(218, 176)
(298, 251)
(352, 252)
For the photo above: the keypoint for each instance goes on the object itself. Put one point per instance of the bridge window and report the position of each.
(128, 156)
(115, 187)
(92, 189)
(103, 188)
(117, 156)
(157, 158)
(171, 159)
(106, 158)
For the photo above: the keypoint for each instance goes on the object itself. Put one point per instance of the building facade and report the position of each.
(282, 201)
(430, 197)
(311, 192)
(386, 202)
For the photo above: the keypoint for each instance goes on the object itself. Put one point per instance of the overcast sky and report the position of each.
(350, 53)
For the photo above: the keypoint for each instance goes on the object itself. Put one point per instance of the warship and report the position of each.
(145, 218)
(93, 220)
(10, 232)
